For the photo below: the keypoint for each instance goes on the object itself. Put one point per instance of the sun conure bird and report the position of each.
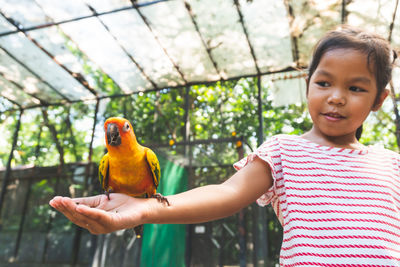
(128, 167)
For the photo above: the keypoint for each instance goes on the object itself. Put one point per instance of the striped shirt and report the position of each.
(337, 206)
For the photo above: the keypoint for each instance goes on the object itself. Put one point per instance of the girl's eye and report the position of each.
(126, 127)
(356, 89)
(323, 84)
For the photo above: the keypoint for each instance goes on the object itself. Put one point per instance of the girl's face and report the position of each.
(341, 93)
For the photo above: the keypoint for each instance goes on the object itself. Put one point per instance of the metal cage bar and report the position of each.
(204, 43)
(146, 22)
(241, 19)
(8, 166)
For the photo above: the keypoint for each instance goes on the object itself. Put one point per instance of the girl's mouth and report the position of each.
(333, 116)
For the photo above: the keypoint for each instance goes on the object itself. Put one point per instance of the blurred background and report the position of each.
(203, 84)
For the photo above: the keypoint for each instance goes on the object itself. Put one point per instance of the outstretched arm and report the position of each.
(211, 202)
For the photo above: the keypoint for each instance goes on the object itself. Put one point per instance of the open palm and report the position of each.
(99, 214)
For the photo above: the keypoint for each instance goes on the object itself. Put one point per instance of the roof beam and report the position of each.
(77, 76)
(208, 49)
(12, 101)
(146, 22)
(85, 57)
(123, 49)
(253, 55)
(178, 86)
(35, 74)
(294, 39)
(288, 69)
(20, 87)
(46, 25)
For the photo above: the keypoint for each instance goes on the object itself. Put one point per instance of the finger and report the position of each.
(55, 202)
(97, 221)
(93, 226)
(76, 214)
(68, 208)
(93, 201)
(59, 203)
(92, 213)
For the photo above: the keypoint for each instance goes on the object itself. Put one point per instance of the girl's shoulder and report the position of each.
(282, 138)
(286, 144)
(380, 150)
(287, 140)
(297, 143)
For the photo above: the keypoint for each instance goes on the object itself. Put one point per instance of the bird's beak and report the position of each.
(113, 137)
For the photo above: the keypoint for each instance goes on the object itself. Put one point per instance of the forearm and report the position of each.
(201, 204)
(213, 202)
(100, 214)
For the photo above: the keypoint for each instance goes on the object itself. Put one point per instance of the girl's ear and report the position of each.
(379, 101)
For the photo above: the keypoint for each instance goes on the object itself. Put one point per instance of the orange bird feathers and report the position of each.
(128, 167)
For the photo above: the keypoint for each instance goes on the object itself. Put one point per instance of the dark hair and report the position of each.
(379, 54)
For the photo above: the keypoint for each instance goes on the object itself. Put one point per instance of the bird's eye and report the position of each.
(126, 127)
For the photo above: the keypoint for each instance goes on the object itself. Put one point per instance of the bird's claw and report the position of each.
(160, 198)
(108, 192)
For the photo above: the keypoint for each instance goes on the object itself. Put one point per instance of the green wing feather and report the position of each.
(154, 165)
(104, 172)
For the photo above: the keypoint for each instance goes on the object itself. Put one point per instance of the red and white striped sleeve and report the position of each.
(269, 152)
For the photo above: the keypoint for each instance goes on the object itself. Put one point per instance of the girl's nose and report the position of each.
(337, 97)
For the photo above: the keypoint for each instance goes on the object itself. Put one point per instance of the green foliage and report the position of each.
(7, 126)
(156, 117)
(215, 111)
(380, 129)
(43, 187)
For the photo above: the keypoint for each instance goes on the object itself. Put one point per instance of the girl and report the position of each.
(337, 200)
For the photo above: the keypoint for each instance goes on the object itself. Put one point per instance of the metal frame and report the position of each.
(204, 43)
(37, 76)
(81, 18)
(7, 173)
(260, 244)
(123, 49)
(288, 69)
(253, 55)
(136, 7)
(77, 77)
(146, 22)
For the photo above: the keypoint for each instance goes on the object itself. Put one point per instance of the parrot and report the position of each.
(128, 167)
